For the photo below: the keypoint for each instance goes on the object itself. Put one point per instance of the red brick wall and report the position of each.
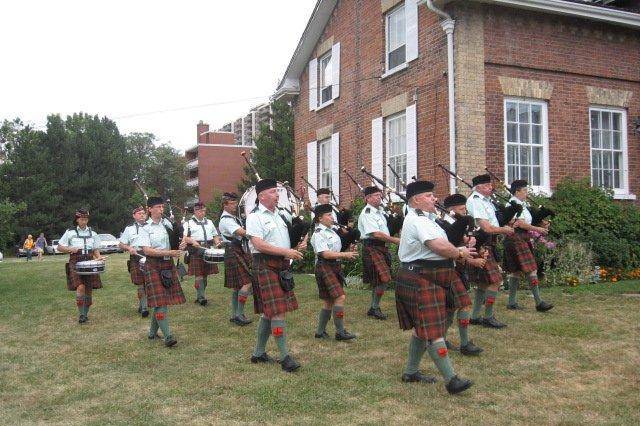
(571, 54)
(359, 27)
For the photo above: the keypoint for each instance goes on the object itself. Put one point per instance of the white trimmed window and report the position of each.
(396, 142)
(526, 142)
(324, 148)
(326, 74)
(396, 40)
(609, 149)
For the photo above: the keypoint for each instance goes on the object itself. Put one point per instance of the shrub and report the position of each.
(569, 263)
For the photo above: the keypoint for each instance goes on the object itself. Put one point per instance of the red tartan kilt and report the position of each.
(376, 262)
(137, 276)
(74, 280)
(518, 254)
(268, 297)
(329, 279)
(198, 267)
(487, 276)
(237, 266)
(421, 299)
(459, 292)
(157, 294)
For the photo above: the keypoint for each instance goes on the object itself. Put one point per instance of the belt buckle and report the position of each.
(410, 267)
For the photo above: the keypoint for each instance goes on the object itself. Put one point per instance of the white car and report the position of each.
(109, 244)
(1, 256)
(52, 247)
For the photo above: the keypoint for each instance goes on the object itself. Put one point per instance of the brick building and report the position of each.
(214, 164)
(247, 128)
(541, 90)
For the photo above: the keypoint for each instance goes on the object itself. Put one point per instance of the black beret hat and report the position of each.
(230, 196)
(265, 184)
(82, 212)
(418, 187)
(322, 209)
(325, 191)
(199, 205)
(454, 200)
(480, 179)
(138, 209)
(154, 201)
(518, 184)
(371, 190)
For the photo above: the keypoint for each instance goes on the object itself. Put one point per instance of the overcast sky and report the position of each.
(124, 59)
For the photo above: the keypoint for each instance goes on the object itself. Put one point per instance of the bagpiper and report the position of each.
(200, 233)
(519, 259)
(426, 272)
(129, 241)
(237, 260)
(82, 244)
(328, 271)
(376, 257)
(489, 278)
(161, 282)
(273, 285)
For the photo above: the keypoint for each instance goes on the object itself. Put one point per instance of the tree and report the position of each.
(8, 214)
(273, 155)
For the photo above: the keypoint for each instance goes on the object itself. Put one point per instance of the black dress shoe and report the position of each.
(344, 335)
(324, 335)
(376, 313)
(457, 385)
(543, 306)
(144, 314)
(203, 302)
(261, 358)
(450, 346)
(241, 320)
(515, 307)
(470, 349)
(418, 377)
(82, 319)
(475, 321)
(492, 322)
(170, 342)
(289, 364)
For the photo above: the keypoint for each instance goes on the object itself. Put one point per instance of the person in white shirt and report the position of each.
(129, 241)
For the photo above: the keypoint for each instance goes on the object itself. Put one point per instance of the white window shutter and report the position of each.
(335, 165)
(412, 142)
(335, 59)
(312, 169)
(377, 168)
(411, 27)
(313, 84)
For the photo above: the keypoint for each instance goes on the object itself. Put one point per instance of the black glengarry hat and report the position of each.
(518, 184)
(371, 190)
(322, 209)
(154, 201)
(455, 200)
(418, 187)
(323, 191)
(265, 184)
(480, 179)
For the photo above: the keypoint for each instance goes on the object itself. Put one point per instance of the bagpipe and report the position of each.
(506, 210)
(290, 207)
(394, 216)
(538, 214)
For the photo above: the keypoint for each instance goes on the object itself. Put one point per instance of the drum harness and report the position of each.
(84, 239)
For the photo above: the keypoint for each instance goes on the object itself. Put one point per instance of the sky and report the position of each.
(129, 59)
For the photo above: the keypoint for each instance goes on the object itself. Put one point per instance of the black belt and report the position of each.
(234, 242)
(417, 265)
(373, 242)
(262, 256)
(328, 261)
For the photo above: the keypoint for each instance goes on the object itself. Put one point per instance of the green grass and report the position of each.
(575, 364)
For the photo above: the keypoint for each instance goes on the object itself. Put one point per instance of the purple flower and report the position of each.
(550, 245)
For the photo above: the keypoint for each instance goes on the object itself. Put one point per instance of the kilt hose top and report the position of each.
(74, 280)
(376, 261)
(330, 279)
(133, 266)
(157, 294)
(268, 296)
(518, 253)
(237, 266)
(197, 266)
(421, 296)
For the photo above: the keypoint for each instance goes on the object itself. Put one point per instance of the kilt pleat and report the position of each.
(137, 276)
(198, 267)
(518, 254)
(237, 267)
(330, 280)
(376, 262)
(487, 276)
(74, 280)
(268, 297)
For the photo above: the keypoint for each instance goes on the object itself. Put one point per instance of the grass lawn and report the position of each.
(577, 363)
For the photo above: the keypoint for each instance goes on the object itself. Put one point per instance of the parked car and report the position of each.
(52, 248)
(109, 244)
(20, 252)
(1, 256)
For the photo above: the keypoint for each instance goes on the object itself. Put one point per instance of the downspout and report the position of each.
(448, 25)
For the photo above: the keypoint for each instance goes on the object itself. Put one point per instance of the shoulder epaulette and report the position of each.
(255, 209)
(317, 230)
(476, 196)
(367, 210)
(419, 212)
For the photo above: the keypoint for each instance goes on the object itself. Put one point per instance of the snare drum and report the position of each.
(213, 255)
(90, 267)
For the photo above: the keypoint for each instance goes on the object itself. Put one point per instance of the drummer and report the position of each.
(200, 233)
(83, 245)
(129, 241)
(237, 261)
(161, 282)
